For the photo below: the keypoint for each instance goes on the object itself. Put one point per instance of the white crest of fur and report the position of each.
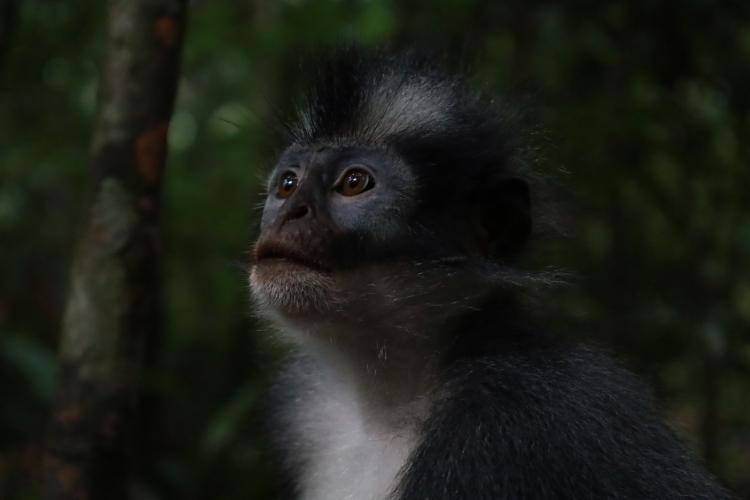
(399, 107)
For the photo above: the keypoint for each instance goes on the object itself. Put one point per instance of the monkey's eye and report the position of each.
(287, 184)
(354, 181)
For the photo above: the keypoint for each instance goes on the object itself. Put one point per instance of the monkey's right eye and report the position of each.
(287, 184)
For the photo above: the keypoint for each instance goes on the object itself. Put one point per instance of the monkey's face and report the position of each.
(357, 232)
(331, 214)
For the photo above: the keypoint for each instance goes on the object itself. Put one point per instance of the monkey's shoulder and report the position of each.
(549, 377)
(554, 422)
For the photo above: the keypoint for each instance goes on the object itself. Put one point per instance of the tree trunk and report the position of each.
(112, 315)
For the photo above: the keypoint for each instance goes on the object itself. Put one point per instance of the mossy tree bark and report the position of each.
(112, 316)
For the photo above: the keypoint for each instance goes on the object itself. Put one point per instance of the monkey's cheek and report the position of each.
(291, 289)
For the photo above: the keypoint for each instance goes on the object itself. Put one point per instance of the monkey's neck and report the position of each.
(385, 369)
(396, 358)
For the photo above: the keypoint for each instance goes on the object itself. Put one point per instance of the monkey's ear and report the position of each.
(506, 217)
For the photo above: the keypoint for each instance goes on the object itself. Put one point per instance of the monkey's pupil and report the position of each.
(288, 184)
(354, 180)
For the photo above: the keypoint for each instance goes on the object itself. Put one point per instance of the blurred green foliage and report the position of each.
(643, 115)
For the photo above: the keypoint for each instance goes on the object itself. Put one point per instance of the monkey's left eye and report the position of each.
(354, 181)
(287, 184)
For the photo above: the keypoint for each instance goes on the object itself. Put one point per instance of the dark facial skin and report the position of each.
(329, 210)
(326, 205)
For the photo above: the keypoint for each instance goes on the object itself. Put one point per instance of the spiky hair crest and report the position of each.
(410, 102)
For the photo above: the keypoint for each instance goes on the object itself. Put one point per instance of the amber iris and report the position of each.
(287, 184)
(354, 182)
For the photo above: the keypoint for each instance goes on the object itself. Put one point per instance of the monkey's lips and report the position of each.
(271, 253)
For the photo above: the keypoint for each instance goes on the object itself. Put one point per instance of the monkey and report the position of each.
(390, 260)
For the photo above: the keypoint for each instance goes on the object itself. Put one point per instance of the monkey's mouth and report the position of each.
(276, 253)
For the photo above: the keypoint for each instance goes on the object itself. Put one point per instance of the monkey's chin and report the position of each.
(291, 289)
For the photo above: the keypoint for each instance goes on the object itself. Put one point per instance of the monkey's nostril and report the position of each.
(297, 212)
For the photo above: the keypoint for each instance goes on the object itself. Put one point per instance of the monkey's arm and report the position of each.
(550, 424)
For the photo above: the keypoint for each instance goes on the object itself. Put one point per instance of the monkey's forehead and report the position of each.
(377, 111)
(340, 148)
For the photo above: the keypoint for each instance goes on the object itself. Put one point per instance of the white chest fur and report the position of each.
(347, 453)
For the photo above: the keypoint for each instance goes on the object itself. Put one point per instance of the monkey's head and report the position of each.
(399, 185)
